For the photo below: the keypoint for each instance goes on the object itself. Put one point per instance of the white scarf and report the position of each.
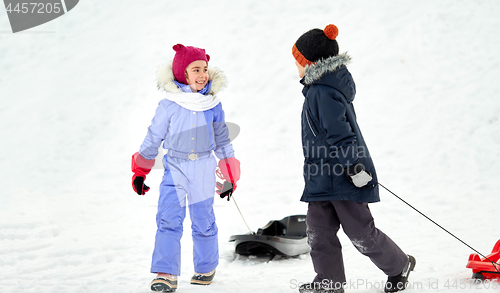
(193, 101)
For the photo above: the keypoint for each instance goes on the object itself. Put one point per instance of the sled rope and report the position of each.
(221, 176)
(479, 253)
(251, 232)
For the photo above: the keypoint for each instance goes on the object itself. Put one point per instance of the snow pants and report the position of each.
(324, 219)
(194, 181)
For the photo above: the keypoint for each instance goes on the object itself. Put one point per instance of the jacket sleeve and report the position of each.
(156, 133)
(223, 147)
(333, 120)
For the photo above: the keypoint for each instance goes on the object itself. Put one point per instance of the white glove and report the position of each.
(361, 179)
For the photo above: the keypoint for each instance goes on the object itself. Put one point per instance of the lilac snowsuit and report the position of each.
(186, 132)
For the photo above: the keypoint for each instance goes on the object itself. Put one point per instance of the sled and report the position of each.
(485, 268)
(284, 237)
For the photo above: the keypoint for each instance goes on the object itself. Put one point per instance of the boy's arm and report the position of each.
(339, 134)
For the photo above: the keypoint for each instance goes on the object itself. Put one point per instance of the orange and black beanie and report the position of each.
(315, 45)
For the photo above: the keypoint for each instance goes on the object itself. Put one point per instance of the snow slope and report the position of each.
(78, 93)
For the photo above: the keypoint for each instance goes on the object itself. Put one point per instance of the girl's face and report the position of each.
(197, 75)
(300, 68)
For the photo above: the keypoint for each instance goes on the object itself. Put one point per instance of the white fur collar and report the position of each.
(165, 77)
(314, 71)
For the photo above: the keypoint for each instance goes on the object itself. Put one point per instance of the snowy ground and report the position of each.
(77, 95)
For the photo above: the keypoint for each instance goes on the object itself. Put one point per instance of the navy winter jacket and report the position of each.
(331, 138)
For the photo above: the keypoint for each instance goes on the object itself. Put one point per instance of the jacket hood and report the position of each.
(166, 77)
(332, 72)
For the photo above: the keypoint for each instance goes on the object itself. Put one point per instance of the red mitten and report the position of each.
(230, 169)
(141, 167)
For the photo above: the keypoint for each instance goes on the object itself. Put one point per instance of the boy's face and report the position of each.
(197, 75)
(301, 69)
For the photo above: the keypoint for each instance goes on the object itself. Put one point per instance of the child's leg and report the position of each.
(205, 240)
(326, 250)
(169, 220)
(204, 229)
(358, 224)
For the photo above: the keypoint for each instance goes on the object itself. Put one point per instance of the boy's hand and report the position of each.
(361, 179)
(358, 176)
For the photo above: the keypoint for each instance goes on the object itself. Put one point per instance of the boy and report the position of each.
(340, 178)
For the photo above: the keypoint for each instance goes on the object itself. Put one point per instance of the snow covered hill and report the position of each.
(77, 94)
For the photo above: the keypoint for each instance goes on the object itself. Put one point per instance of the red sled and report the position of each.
(485, 268)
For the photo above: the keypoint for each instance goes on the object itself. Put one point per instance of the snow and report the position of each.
(78, 93)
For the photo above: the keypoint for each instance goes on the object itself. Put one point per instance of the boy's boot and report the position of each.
(319, 287)
(399, 282)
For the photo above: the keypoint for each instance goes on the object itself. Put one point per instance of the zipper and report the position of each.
(309, 123)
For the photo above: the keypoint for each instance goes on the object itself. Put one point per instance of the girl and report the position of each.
(190, 122)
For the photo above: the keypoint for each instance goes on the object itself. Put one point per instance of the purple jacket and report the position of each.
(190, 128)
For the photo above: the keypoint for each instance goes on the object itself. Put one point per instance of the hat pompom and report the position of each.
(331, 31)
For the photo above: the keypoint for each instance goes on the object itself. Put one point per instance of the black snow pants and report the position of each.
(324, 219)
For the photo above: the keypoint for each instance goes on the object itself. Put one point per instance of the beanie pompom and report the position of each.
(331, 31)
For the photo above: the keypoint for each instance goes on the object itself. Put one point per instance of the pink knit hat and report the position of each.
(185, 55)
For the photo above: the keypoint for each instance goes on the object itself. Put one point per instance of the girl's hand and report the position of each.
(138, 185)
(225, 189)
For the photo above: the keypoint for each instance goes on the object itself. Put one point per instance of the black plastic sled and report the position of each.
(284, 237)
